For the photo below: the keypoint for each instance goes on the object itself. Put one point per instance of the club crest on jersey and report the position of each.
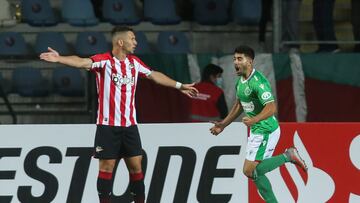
(247, 91)
(119, 80)
(131, 65)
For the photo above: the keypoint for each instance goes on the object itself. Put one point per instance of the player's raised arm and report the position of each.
(74, 61)
(164, 80)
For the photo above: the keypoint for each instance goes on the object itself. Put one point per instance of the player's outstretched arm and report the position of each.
(160, 78)
(74, 61)
(235, 111)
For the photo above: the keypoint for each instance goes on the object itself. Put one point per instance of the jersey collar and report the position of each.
(242, 78)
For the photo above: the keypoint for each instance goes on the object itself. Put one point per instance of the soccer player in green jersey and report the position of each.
(255, 98)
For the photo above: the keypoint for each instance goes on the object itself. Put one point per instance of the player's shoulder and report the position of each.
(258, 77)
(133, 58)
(101, 56)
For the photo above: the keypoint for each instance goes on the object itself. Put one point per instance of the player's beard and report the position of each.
(241, 70)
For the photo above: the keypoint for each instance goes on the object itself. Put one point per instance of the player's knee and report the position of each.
(135, 168)
(107, 166)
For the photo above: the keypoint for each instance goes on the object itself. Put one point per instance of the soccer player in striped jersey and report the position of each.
(254, 96)
(117, 134)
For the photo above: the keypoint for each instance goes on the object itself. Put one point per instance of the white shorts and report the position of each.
(260, 147)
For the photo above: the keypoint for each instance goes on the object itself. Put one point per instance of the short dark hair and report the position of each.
(246, 50)
(118, 29)
(210, 69)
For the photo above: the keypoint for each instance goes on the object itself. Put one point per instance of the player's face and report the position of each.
(242, 64)
(129, 42)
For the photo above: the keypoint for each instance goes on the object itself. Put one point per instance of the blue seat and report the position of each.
(171, 42)
(161, 12)
(12, 44)
(142, 43)
(55, 40)
(246, 12)
(79, 12)
(29, 82)
(90, 43)
(211, 12)
(38, 12)
(120, 12)
(68, 82)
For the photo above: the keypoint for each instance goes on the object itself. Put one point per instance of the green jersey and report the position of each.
(254, 93)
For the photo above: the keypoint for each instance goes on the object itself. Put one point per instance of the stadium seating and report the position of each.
(172, 42)
(142, 43)
(29, 82)
(78, 12)
(161, 12)
(38, 12)
(211, 12)
(54, 40)
(90, 43)
(12, 44)
(120, 12)
(68, 81)
(246, 12)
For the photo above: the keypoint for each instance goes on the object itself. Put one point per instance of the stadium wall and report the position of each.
(183, 163)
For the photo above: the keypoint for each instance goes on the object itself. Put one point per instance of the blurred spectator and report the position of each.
(97, 4)
(266, 7)
(209, 104)
(324, 24)
(290, 22)
(184, 8)
(355, 20)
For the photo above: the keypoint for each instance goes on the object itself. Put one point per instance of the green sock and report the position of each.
(263, 185)
(270, 164)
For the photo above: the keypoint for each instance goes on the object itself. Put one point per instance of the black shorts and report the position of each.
(114, 142)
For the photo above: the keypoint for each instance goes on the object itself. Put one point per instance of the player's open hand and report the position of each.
(189, 90)
(217, 128)
(50, 56)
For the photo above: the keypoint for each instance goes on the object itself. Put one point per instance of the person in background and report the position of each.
(324, 24)
(209, 104)
(355, 21)
(290, 23)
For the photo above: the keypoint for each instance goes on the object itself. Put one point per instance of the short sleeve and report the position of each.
(264, 92)
(99, 61)
(144, 70)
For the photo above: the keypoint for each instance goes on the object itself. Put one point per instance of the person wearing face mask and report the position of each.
(209, 104)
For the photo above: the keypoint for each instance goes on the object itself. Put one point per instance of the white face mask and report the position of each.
(219, 82)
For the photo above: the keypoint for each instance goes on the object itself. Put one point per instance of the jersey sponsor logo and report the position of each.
(202, 96)
(119, 80)
(266, 95)
(247, 91)
(248, 106)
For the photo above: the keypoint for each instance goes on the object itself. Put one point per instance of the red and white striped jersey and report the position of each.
(116, 84)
